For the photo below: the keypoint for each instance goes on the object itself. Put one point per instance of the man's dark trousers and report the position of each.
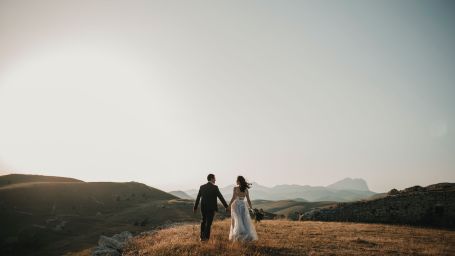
(206, 224)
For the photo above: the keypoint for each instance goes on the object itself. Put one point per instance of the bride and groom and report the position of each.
(242, 228)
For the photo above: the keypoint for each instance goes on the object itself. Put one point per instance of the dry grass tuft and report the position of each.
(299, 238)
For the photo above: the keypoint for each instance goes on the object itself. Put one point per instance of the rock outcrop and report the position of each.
(433, 205)
(111, 246)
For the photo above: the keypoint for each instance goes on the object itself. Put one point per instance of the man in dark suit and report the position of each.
(209, 193)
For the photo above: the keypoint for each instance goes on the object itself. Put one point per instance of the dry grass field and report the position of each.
(299, 238)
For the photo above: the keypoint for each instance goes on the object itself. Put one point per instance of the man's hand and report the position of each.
(194, 209)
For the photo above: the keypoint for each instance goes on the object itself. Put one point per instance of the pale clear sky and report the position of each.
(162, 92)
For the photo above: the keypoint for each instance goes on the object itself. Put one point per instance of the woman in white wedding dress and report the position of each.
(242, 228)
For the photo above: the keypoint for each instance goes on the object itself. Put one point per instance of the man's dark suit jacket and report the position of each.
(209, 192)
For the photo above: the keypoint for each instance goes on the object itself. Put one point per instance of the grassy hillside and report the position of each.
(299, 238)
(50, 218)
(12, 179)
(433, 205)
(288, 208)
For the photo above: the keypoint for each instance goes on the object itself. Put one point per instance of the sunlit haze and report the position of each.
(282, 92)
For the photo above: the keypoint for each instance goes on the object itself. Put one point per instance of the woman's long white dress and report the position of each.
(242, 228)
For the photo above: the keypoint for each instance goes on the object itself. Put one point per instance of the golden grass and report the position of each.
(298, 238)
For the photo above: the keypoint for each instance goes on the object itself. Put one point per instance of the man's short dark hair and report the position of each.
(210, 177)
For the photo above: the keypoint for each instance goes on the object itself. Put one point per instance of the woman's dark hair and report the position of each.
(243, 184)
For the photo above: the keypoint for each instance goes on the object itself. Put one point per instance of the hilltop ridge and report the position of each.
(11, 179)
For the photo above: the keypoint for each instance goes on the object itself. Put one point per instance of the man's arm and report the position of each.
(220, 196)
(198, 198)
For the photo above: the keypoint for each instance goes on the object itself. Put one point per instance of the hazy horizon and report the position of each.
(226, 183)
(282, 92)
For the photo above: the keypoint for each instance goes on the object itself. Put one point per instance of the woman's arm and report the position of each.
(248, 199)
(233, 197)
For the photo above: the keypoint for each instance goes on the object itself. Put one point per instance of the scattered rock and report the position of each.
(393, 192)
(123, 237)
(60, 226)
(111, 246)
(105, 252)
(48, 221)
(414, 189)
(363, 241)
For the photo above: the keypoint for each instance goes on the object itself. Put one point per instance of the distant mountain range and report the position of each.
(350, 184)
(345, 190)
(180, 194)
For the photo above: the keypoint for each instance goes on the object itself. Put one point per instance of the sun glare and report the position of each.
(77, 103)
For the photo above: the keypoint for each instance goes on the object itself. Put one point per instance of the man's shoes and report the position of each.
(204, 240)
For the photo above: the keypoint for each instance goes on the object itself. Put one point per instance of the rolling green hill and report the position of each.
(288, 208)
(51, 218)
